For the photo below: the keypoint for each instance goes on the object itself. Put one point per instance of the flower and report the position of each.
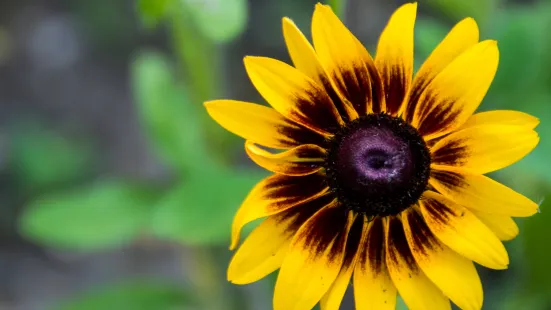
(380, 180)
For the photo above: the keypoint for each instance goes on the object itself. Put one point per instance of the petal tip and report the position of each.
(288, 25)
(210, 104)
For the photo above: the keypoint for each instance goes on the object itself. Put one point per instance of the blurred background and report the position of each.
(116, 189)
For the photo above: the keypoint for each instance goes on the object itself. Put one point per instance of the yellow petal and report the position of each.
(394, 58)
(502, 117)
(504, 227)
(346, 61)
(259, 124)
(301, 51)
(333, 298)
(416, 289)
(293, 94)
(313, 261)
(355, 243)
(262, 252)
(457, 91)
(463, 36)
(305, 59)
(299, 161)
(484, 149)
(275, 194)
(462, 231)
(455, 275)
(480, 193)
(373, 288)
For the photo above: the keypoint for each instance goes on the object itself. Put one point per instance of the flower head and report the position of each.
(380, 178)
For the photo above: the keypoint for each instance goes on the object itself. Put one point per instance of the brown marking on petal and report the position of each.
(375, 247)
(435, 111)
(298, 134)
(451, 154)
(300, 168)
(438, 211)
(337, 101)
(423, 239)
(299, 214)
(310, 153)
(354, 240)
(289, 190)
(312, 158)
(395, 86)
(362, 87)
(326, 231)
(448, 178)
(417, 89)
(398, 247)
(317, 108)
(377, 88)
(355, 86)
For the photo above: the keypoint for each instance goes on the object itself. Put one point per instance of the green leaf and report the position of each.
(41, 158)
(428, 33)
(481, 10)
(100, 215)
(200, 210)
(219, 20)
(534, 233)
(522, 34)
(140, 295)
(151, 11)
(171, 121)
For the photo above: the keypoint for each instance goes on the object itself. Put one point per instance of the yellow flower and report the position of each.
(381, 178)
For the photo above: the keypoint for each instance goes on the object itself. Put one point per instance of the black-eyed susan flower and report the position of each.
(380, 180)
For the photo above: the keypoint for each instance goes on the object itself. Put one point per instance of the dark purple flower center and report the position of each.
(378, 165)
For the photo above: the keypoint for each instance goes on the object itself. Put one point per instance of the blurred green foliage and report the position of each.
(136, 295)
(196, 206)
(97, 215)
(42, 158)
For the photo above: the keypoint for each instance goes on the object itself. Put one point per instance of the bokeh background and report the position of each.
(116, 189)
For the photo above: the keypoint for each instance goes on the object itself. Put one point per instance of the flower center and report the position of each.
(378, 165)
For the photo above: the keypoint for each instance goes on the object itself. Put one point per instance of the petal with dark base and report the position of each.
(463, 36)
(480, 193)
(299, 161)
(457, 91)
(347, 62)
(460, 230)
(305, 60)
(264, 125)
(314, 260)
(455, 275)
(355, 241)
(413, 285)
(483, 149)
(264, 249)
(394, 59)
(293, 94)
(373, 288)
(275, 194)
